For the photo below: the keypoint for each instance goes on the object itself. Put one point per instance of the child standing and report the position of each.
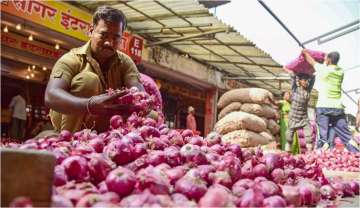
(301, 87)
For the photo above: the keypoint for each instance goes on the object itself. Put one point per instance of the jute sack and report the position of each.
(240, 120)
(273, 126)
(268, 136)
(245, 95)
(245, 138)
(235, 106)
(260, 110)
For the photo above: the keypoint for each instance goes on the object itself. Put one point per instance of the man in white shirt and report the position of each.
(18, 120)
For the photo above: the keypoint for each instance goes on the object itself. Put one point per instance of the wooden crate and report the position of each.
(26, 173)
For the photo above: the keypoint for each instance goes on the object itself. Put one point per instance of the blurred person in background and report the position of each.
(285, 105)
(190, 119)
(17, 107)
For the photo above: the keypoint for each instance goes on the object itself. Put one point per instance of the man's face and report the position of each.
(327, 61)
(105, 38)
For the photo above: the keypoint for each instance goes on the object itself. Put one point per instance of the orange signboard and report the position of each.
(56, 15)
(19, 42)
(132, 46)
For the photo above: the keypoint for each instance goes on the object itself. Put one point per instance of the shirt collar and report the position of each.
(84, 50)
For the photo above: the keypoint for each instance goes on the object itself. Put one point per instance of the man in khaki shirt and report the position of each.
(76, 92)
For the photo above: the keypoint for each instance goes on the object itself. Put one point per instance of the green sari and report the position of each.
(284, 113)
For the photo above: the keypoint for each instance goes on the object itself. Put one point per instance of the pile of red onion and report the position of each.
(335, 159)
(140, 162)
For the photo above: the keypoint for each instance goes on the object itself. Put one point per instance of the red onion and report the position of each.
(138, 163)
(153, 179)
(193, 188)
(195, 140)
(309, 193)
(218, 149)
(155, 157)
(175, 138)
(172, 156)
(139, 150)
(187, 133)
(252, 198)
(149, 131)
(76, 168)
(273, 161)
(232, 165)
(236, 149)
(60, 201)
(247, 170)
(355, 187)
(274, 201)
(278, 176)
(88, 200)
(60, 177)
(149, 122)
(213, 138)
(116, 122)
(176, 173)
(327, 192)
(99, 167)
(121, 181)
(269, 188)
(192, 154)
(135, 137)
(291, 195)
(97, 144)
(216, 196)
(242, 183)
(156, 143)
(65, 135)
(119, 152)
(221, 177)
(204, 171)
(260, 170)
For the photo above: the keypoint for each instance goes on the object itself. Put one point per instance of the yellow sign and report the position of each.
(56, 15)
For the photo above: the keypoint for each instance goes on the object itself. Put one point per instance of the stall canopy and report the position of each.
(188, 27)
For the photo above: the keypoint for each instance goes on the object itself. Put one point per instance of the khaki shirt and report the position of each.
(79, 59)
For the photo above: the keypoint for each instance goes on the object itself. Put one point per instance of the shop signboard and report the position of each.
(55, 15)
(67, 19)
(34, 47)
(132, 46)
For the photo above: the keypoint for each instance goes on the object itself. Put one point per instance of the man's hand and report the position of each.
(288, 71)
(358, 121)
(106, 104)
(304, 51)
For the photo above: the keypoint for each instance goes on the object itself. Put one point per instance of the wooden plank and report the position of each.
(26, 173)
(348, 176)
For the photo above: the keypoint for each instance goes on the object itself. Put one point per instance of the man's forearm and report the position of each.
(64, 102)
(309, 59)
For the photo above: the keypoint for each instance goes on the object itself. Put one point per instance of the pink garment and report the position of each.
(151, 88)
(191, 122)
(300, 65)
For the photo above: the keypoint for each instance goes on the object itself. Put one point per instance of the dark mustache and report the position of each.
(109, 48)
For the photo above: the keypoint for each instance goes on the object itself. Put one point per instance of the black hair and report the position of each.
(109, 14)
(283, 93)
(334, 57)
(303, 76)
